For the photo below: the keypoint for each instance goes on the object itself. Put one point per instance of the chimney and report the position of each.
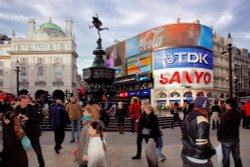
(68, 31)
(31, 27)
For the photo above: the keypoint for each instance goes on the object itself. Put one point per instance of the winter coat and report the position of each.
(74, 110)
(134, 110)
(120, 112)
(150, 122)
(32, 126)
(82, 148)
(229, 126)
(246, 108)
(58, 117)
(13, 153)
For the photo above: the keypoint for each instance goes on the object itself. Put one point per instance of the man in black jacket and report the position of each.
(228, 133)
(31, 121)
(197, 149)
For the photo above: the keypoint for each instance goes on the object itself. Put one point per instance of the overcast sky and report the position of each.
(125, 18)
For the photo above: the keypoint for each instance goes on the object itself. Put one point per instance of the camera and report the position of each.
(21, 117)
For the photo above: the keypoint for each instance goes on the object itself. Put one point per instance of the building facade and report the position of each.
(175, 63)
(47, 60)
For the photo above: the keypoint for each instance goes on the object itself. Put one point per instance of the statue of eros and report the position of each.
(97, 24)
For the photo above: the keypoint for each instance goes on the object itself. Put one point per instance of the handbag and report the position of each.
(26, 143)
(146, 131)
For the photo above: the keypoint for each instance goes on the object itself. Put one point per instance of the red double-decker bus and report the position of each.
(3, 95)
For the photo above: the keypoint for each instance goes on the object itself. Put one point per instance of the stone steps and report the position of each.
(164, 122)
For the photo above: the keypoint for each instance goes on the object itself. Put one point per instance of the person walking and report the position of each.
(246, 108)
(134, 112)
(140, 126)
(74, 110)
(59, 118)
(97, 146)
(31, 121)
(121, 113)
(90, 115)
(104, 116)
(13, 153)
(187, 109)
(197, 149)
(228, 134)
(215, 115)
(151, 133)
(175, 111)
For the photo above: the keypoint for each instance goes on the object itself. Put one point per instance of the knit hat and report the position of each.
(201, 102)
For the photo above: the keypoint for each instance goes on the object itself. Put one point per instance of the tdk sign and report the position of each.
(191, 57)
(183, 57)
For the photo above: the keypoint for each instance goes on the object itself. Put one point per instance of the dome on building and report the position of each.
(52, 29)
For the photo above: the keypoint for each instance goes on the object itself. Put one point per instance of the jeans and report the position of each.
(75, 128)
(160, 154)
(228, 146)
(37, 148)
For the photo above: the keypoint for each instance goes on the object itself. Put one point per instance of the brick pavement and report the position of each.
(122, 147)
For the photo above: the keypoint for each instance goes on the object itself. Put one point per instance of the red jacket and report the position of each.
(246, 108)
(134, 110)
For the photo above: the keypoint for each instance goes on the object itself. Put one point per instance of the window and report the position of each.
(23, 71)
(57, 72)
(1, 72)
(40, 73)
(40, 60)
(175, 94)
(1, 82)
(58, 60)
(162, 95)
(23, 60)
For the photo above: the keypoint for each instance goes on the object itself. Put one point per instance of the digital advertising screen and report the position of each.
(170, 36)
(183, 67)
(139, 64)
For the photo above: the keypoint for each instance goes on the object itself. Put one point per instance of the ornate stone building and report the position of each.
(47, 59)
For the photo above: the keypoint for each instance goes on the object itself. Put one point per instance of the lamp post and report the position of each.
(17, 77)
(229, 41)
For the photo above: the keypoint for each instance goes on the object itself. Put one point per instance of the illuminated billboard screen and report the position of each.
(173, 35)
(139, 64)
(183, 67)
(120, 71)
(115, 55)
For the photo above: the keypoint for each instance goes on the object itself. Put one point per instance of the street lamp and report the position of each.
(229, 41)
(17, 77)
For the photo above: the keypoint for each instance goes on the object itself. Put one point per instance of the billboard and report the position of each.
(139, 64)
(183, 67)
(120, 71)
(173, 35)
(115, 55)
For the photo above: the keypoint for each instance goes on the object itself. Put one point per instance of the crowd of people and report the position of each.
(88, 124)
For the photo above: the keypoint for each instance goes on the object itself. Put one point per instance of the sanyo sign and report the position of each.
(182, 67)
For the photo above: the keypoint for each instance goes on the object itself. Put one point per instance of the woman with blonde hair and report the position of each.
(90, 115)
(13, 153)
(150, 130)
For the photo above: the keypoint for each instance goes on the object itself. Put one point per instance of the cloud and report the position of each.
(125, 19)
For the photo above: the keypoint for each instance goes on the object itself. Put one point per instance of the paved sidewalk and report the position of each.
(122, 147)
